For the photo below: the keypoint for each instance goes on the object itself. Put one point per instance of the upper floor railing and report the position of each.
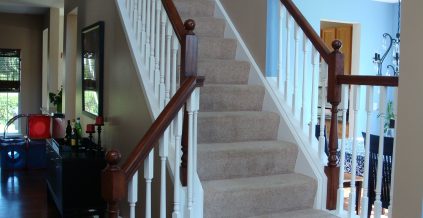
(309, 76)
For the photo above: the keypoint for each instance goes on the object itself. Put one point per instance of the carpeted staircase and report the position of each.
(245, 171)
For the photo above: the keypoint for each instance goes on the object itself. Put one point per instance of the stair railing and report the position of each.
(166, 49)
(291, 82)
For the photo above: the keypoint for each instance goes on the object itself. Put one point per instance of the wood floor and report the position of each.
(23, 194)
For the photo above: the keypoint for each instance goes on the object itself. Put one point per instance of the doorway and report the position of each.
(349, 34)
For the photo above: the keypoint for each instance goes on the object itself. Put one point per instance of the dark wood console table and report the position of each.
(73, 180)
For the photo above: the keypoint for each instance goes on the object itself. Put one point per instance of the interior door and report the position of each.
(343, 33)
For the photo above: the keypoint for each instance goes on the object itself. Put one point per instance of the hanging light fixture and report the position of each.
(394, 44)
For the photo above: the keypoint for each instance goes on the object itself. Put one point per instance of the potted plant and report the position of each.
(56, 99)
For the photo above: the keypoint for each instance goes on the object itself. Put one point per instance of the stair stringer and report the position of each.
(146, 86)
(308, 162)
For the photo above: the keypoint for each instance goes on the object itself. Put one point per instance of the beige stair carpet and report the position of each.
(245, 170)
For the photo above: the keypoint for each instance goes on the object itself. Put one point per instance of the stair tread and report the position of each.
(254, 196)
(235, 126)
(195, 8)
(257, 183)
(231, 97)
(245, 146)
(244, 159)
(307, 213)
(234, 113)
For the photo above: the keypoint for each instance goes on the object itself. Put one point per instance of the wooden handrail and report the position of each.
(367, 80)
(175, 19)
(152, 136)
(308, 30)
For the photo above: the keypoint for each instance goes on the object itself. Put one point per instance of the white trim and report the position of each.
(312, 166)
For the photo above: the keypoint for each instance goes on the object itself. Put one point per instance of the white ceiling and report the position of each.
(29, 6)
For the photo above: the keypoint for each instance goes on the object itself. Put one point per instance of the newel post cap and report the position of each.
(336, 44)
(189, 26)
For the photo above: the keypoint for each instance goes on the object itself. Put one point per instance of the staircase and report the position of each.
(244, 169)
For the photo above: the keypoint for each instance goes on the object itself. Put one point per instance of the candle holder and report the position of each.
(90, 130)
(99, 122)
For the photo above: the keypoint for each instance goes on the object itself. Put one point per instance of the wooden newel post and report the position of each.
(336, 67)
(113, 184)
(188, 68)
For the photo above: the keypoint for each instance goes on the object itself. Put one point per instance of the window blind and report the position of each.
(10, 70)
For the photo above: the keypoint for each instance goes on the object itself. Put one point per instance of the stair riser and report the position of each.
(237, 163)
(216, 48)
(257, 202)
(231, 98)
(237, 128)
(189, 9)
(224, 72)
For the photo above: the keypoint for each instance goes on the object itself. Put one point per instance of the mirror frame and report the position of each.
(100, 26)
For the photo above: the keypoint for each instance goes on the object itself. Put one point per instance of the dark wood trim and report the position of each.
(152, 136)
(114, 184)
(307, 29)
(175, 19)
(367, 80)
(336, 67)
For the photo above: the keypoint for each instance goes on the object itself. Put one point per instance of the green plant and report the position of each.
(56, 99)
(389, 115)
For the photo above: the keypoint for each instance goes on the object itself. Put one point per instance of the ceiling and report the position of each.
(29, 6)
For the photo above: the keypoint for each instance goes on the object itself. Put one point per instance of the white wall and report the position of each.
(408, 187)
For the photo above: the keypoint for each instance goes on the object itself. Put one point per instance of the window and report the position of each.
(10, 76)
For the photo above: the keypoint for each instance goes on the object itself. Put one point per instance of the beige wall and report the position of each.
(249, 18)
(19, 31)
(408, 187)
(125, 109)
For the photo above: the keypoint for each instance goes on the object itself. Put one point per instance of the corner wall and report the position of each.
(249, 17)
(408, 173)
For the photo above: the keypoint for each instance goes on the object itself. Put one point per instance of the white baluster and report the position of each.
(143, 30)
(133, 194)
(167, 58)
(163, 153)
(148, 40)
(177, 187)
(175, 48)
(157, 45)
(127, 3)
(306, 50)
(138, 30)
(344, 108)
(314, 94)
(296, 60)
(369, 110)
(391, 190)
(280, 59)
(382, 112)
(148, 176)
(192, 107)
(323, 99)
(152, 58)
(135, 17)
(352, 196)
(288, 55)
(131, 12)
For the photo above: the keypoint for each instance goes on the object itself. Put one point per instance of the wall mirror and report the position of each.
(92, 38)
